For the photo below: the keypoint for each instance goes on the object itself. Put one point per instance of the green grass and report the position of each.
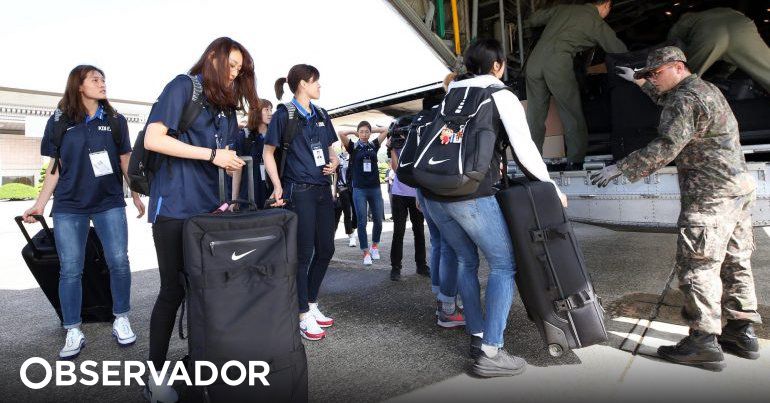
(17, 191)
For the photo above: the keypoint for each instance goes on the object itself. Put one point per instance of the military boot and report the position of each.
(699, 349)
(738, 337)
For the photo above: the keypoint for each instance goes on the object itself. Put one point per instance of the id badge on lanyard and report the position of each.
(367, 164)
(100, 162)
(262, 171)
(318, 153)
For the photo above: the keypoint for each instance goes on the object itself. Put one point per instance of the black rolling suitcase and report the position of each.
(43, 262)
(551, 275)
(241, 295)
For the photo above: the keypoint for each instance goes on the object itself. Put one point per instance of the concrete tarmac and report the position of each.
(385, 344)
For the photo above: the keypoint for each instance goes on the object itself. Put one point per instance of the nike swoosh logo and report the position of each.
(405, 165)
(431, 161)
(238, 257)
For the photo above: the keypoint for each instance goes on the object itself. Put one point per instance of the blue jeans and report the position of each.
(372, 197)
(71, 233)
(443, 261)
(479, 223)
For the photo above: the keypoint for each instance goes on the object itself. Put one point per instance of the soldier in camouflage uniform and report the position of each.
(723, 34)
(700, 133)
(569, 29)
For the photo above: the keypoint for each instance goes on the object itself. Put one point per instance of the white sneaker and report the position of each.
(352, 242)
(320, 318)
(309, 328)
(375, 253)
(162, 393)
(121, 330)
(75, 341)
(367, 260)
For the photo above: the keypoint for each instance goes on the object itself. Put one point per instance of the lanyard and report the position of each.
(220, 139)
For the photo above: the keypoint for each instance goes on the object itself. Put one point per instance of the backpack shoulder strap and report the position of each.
(193, 107)
(60, 125)
(321, 113)
(291, 125)
(289, 132)
(116, 129)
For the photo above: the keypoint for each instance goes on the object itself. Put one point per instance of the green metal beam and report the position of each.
(440, 28)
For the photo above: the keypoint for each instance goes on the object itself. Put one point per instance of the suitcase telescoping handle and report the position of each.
(249, 167)
(20, 222)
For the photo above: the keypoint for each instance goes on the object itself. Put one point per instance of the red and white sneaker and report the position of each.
(452, 320)
(320, 318)
(310, 330)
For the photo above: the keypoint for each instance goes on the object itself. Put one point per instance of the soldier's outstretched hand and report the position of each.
(603, 177)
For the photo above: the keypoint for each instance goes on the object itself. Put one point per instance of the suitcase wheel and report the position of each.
(555, 350)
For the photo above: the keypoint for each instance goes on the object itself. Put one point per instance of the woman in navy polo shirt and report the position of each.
(250, 142)
(366, 184)
(305, 184)
(88, 185)
(187, 184)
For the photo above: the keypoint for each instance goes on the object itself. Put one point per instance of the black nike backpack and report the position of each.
(406, 159)
(455, 150)
(144, 163)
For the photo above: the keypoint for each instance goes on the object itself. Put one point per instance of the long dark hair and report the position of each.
(480, 57)
(255, 115)
(296, 74)
(71, 103)
(215, 81)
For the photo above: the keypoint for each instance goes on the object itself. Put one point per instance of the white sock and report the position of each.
(448, 307)
(490, 351)
(313, 305)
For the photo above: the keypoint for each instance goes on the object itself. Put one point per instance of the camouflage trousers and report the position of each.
(713, 261)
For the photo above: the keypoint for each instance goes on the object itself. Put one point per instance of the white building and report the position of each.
(23, 116)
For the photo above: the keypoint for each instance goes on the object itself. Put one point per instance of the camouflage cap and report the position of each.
(659, 57)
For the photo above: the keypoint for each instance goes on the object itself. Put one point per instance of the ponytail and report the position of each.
(448, 79)
(296, 74)
(279, 87)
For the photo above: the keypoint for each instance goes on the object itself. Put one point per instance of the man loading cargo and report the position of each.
(569, 29)
(723, 34)
(699, 131)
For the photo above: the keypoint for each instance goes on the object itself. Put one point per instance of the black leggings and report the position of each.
(315, 238)
(347, 208)
(167, 233)
(402, 207)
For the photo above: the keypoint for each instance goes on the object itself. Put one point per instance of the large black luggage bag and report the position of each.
(43, 262)
(634, 116)
(551, 275)
(240, 277)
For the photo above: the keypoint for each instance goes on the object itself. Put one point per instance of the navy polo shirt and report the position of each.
(255, 151)
(300, 164)
(79, 190)
(184, 187)
(359, 151)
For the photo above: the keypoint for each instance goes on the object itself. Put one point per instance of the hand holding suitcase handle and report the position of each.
(506, 180)
(250, 181)
(39, 218)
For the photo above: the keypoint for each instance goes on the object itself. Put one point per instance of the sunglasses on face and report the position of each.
(657, 72)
